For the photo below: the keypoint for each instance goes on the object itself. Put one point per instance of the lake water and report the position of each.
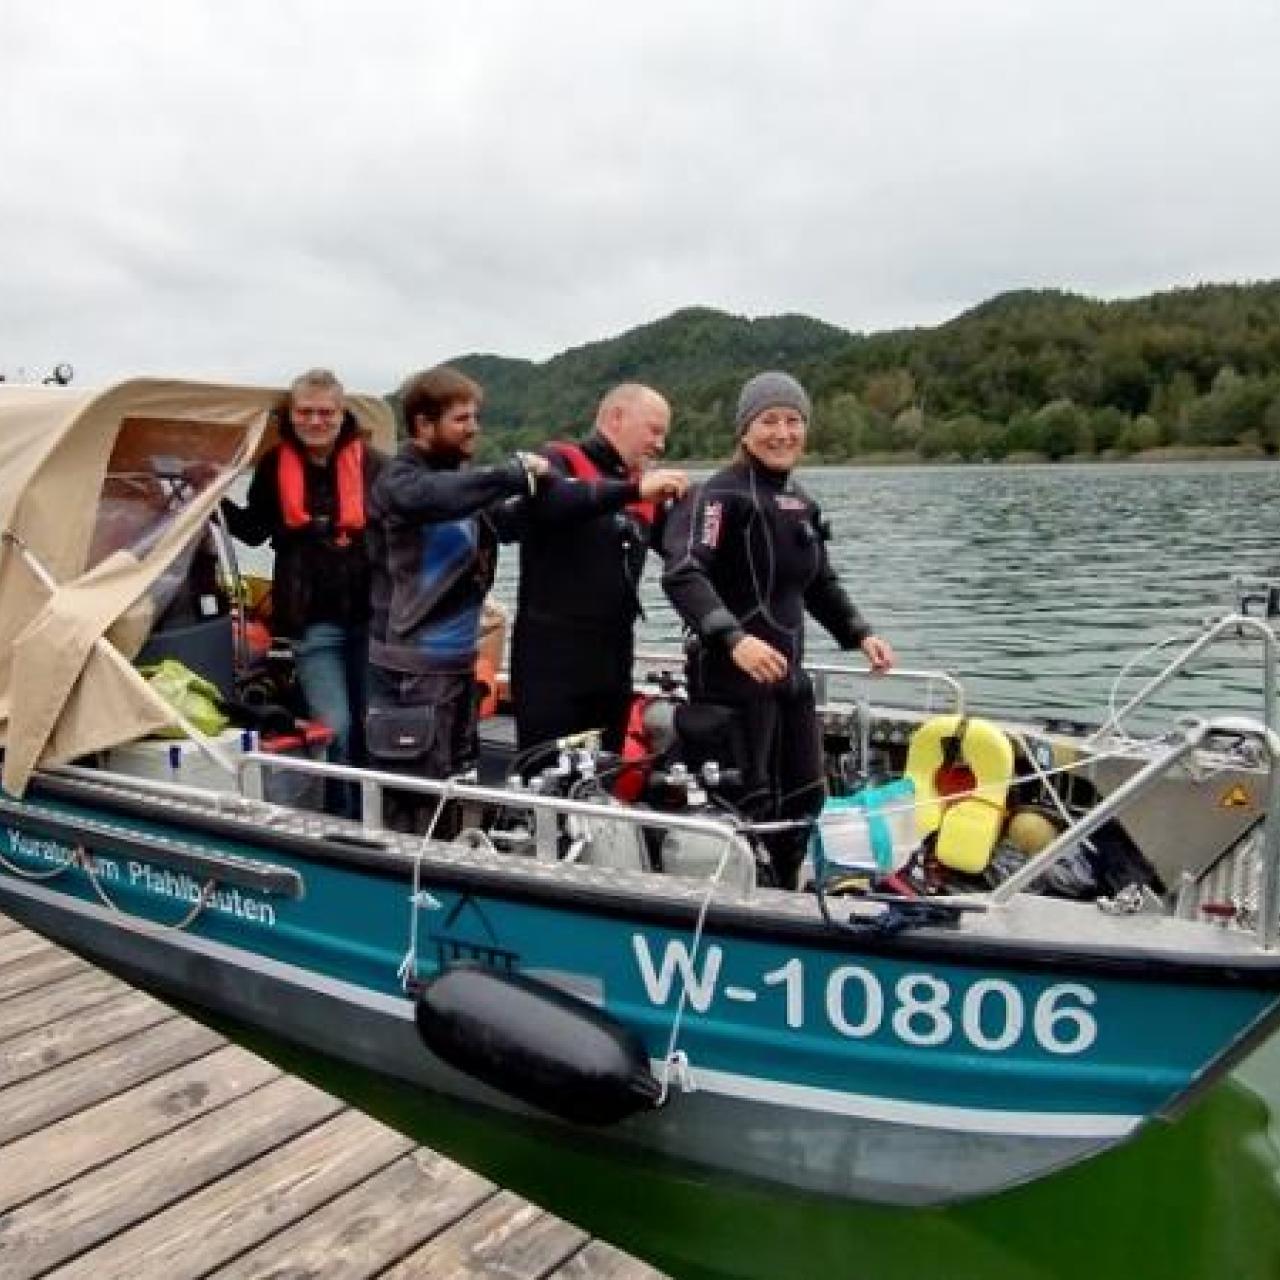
(1036, 586)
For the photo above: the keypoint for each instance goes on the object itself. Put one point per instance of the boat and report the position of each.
(1017, 945)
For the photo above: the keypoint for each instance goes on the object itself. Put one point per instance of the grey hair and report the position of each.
(316, 380)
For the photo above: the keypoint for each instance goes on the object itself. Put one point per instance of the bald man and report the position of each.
(578, 598)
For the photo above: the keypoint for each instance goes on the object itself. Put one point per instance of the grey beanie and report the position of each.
(772, 390)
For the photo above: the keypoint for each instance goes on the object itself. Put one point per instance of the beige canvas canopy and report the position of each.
(79, 567)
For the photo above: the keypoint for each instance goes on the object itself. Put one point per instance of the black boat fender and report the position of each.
(536, 1043)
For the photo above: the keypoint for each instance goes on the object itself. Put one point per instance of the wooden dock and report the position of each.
(138, 1144)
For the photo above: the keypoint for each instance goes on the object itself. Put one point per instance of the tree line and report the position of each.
(1027, 374)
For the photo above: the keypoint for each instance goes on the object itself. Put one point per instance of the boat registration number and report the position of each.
(917, 1007)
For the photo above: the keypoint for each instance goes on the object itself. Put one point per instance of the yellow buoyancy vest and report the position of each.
(968, 826)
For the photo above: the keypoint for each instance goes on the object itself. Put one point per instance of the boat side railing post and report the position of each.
(1268, 676)
(1235, 623)
(370, 804)
(379, 780)
(820, 673)
(1269, 891)
(819, 679)
(252, 782)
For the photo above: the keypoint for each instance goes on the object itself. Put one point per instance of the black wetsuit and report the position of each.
(576, 606)
(746, 555)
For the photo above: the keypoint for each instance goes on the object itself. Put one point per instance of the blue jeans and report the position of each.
(332, 662)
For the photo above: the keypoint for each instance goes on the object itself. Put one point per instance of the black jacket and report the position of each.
(434, 532)
(433, 558)
(586, 577)
(315, 578)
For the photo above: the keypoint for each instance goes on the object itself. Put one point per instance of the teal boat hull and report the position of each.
(925, 1067)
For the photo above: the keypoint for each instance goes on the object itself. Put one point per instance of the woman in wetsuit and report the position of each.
(745, 560)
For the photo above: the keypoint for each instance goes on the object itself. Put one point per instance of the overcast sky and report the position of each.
(243, 188)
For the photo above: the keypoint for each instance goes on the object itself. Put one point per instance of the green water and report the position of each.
(1196, 1200)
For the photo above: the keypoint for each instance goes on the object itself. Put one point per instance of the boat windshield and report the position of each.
(157, 467)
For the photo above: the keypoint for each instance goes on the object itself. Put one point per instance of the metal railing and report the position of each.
(1193, 735)
(822, 671)
(253, 766)
(1236, 624)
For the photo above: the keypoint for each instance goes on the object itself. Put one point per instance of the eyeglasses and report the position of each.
(773, 419)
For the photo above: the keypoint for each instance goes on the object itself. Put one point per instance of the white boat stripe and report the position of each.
(927, 1115)
(397, 1006)
(920, 1115)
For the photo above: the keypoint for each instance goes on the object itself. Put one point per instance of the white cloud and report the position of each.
(236, 190)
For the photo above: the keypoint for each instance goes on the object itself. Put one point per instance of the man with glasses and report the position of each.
(309, 495)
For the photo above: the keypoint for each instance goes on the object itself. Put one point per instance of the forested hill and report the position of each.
(695, 357)
(1028, 373)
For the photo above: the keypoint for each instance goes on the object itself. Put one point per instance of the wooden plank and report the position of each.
(505, 1237)
(50, 1046)
(237, 1213)
(600, 1261)
(13, 946)
(91, 1209)
(36, 970)
(75, 1086)
(57, 999)
(374, 1225)
(91, 1138)
(132, 1146)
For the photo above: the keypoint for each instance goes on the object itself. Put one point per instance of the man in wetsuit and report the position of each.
(578, 596)
(746, 558)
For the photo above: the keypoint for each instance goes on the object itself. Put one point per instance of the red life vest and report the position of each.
(291, 477)
(582, 467)
(637, 754)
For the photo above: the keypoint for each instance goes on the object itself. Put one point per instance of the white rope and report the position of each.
(85, 863)
(407, 973)
(24, 874)
(1113, 713)
(675, 1062)
(1058, 802)
(80, 858)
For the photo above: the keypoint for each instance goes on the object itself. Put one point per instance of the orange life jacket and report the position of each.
(291, 477)
(488, 687)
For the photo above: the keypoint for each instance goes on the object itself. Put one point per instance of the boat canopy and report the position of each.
(102, 493)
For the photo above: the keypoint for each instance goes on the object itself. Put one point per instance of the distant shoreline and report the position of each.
(1167, 453)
